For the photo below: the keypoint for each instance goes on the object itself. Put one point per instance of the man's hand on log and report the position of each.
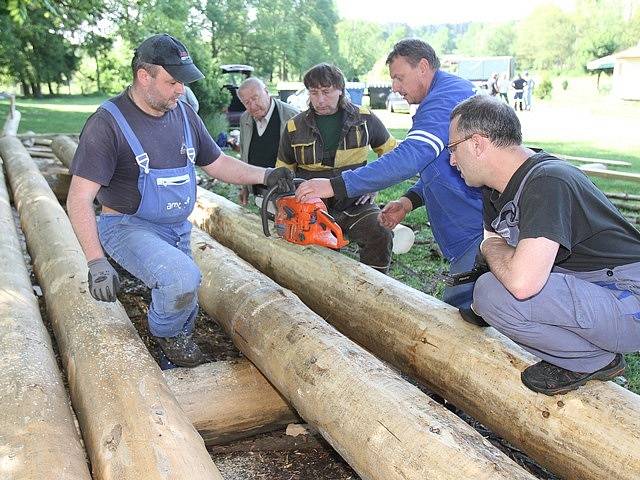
(104, 282)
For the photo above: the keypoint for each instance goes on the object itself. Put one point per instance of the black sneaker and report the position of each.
(549, 379)
(181, 350)
(468, 315)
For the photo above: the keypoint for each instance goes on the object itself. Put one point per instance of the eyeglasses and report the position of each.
(453, 145)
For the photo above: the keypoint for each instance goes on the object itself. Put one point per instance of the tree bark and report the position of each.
(591, 433)
(132, 425)
(38, 432)
(384, 427)
(227, 401)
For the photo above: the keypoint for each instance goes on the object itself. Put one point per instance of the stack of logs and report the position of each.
(136, 422)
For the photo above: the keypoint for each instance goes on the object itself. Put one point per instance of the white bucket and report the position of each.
(403, 238)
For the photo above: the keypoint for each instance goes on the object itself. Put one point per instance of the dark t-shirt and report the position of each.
(330, 127)
(104, 156)
(519, 83)
(560, 203)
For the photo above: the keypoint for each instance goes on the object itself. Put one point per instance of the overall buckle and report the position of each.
(191, 154)
(143, 161)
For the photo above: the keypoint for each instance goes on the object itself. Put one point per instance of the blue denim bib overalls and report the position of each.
(153, 244)
(167, 195)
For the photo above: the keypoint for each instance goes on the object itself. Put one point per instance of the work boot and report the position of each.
(181, 350)
(468, 315)
(543, 377)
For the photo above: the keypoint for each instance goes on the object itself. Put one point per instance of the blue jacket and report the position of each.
(454, 209)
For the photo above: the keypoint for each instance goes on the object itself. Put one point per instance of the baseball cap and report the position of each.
(170, 53)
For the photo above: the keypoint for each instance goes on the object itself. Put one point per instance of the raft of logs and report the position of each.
(322, 360)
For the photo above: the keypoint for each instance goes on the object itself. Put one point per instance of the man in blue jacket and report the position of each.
(454, 209)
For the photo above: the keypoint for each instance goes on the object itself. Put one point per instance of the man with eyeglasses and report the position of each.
(564, 280)
(454, 209)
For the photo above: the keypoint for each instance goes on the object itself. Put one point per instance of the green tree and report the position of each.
(501, 39)
(474, 41)
(360, 44)
(545, 39)
(600, 29)
(42, 53)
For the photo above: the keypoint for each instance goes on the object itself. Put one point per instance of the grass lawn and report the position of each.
(614, 136)
(62, 114)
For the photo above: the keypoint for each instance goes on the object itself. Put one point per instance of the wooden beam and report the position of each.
(591, 433)
(37, 427)
(132, 425)
(384, 427)
(227, 401)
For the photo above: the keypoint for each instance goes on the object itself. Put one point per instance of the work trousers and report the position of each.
(160, 256)
(360, 224)
(578, 321)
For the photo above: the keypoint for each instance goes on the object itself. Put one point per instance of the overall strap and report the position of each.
(142, 159)
(188, 139)
(516, 197)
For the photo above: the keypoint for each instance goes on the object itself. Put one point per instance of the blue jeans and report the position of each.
(160, 256)
(461, 296)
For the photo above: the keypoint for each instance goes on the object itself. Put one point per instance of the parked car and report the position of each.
(397, 104)
(299, 99)
(233, 76)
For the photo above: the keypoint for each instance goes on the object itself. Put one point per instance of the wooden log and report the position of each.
(64, 148)
(631, 207)
(59, 184)
(628, 176)
(622, 196)
(227, 401)
(384, 427)
(592, 433)
(38, 432)
(41, 154)
(11, 124)
(42, 141)
(131, 423)
(618, 163)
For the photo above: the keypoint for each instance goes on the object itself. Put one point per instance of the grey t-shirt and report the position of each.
(560, 203)
(104, 156)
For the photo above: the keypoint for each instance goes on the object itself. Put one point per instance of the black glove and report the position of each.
(104, 282)
(282, 177)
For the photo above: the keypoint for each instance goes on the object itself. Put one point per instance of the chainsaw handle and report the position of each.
(264, 215)
(264, 212)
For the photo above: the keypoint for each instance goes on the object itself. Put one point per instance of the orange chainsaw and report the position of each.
(304, 223)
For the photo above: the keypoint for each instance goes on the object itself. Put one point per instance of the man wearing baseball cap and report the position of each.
(137, 156)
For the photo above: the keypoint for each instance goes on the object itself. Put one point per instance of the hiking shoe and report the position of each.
(549, 379)
(468, 315)
(181, 350)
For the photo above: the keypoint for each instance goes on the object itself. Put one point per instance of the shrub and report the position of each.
(543, 89)
(565, 84)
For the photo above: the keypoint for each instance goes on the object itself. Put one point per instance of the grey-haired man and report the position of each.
(261, 126)
(564, 279)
